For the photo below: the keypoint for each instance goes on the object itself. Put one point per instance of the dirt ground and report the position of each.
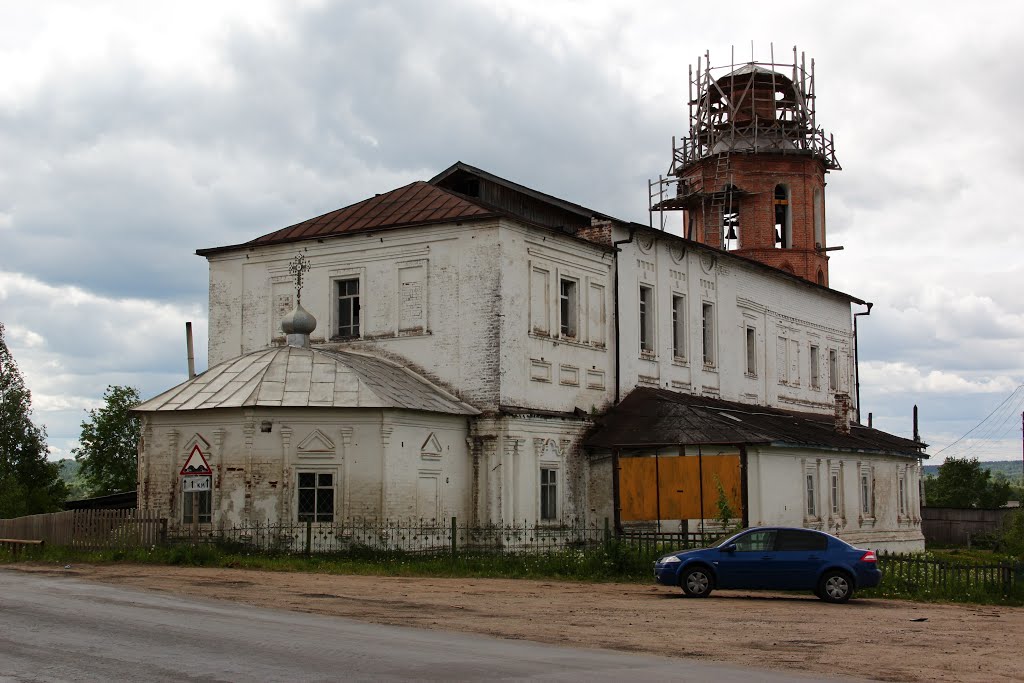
(879, 639)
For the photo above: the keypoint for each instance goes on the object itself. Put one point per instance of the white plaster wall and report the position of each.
(255, 472)
(510, 452)
(454, 340)
(777, 496)
(742, 295)
(540, 367)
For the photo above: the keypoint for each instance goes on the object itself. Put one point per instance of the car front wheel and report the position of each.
(697, 582)
(835, 586)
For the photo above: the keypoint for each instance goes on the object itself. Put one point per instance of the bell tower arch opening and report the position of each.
(750, 174)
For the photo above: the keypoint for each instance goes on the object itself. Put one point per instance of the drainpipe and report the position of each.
(615, 309)
(856, 354)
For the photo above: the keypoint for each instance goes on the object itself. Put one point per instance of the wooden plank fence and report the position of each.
(89, 529)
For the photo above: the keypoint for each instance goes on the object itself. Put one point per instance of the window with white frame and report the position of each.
(548, 493)
(751, 352)
(903, 494)
(811, 493)
(833, 370)
(347, 292)
(316, 496)
(646, 319)
(708, 332)
(836, 492)
(679, 326)
(815, 367)
(867, 500)
(568, 307)
(204, 499)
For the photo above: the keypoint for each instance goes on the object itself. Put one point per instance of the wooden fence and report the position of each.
(89, 529)
(957, 526)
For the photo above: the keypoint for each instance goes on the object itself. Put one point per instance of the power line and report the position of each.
(996, 426)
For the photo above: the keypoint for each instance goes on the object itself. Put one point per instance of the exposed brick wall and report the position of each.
(599, 232)
(757, 176)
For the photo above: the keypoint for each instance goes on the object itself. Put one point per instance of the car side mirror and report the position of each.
(731, 548)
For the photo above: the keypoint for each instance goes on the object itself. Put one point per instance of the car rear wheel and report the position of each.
(697, 582)
(835, 586)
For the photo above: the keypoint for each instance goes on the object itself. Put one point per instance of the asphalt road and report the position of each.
(63, 629)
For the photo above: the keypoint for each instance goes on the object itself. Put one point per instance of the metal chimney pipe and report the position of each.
(191, 353)
(917, 434)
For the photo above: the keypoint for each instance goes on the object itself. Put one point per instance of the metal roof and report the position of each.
(291, 376)
(659, 417)
(418, 203)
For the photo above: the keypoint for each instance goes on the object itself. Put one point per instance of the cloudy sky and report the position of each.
(133, 133)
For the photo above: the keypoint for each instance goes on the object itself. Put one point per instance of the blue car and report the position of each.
(773, 558)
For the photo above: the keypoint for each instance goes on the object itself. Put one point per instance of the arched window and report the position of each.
(821, 277)
(783, 224)
(730, 220)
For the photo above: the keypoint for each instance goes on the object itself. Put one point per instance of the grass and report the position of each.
(947, 577)
(611, 562)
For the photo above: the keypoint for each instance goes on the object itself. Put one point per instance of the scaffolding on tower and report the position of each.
(754, 108)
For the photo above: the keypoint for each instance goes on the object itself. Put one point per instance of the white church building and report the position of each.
(469, 347)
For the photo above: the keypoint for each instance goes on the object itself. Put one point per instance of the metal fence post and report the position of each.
(455, 530)
(309, 536)
(607, 532)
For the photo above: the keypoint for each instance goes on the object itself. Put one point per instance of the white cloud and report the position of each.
(887, 378)
(141, 132)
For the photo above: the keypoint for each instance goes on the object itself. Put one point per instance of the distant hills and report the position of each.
(1011, 468)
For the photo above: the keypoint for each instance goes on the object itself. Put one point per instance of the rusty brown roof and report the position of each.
(418, 203)
(659, 417)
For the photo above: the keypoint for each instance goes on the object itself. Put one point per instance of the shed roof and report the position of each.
(659, 417)
(291, 376)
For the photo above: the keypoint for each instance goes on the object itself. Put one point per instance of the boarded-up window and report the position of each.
(281, 295)
(426, 496)
(751, 351)
(671, 487)
(540, 301)
(596, 315)
(794, 362)
(412, 310)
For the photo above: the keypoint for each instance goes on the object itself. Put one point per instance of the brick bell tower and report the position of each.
(750, 176)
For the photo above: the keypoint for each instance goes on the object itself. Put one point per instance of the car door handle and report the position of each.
(766, 557)
(813, 557)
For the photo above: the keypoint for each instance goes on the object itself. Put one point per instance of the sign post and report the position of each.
(196, 478)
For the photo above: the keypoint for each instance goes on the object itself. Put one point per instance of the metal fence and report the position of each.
(434, 537)
(917, 574)
(415, 536)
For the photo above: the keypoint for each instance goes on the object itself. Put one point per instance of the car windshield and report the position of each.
(725, 541)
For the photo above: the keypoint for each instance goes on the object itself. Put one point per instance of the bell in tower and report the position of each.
(750, 175)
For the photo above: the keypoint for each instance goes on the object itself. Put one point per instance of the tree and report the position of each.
(108, 450)
(963, 483)
(29, 483)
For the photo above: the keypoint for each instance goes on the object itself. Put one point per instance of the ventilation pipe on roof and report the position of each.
(190, 351)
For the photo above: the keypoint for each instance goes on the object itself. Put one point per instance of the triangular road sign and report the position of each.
(196, 463)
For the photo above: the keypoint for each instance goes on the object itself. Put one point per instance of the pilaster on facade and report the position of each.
(345, 434)
(385, 442)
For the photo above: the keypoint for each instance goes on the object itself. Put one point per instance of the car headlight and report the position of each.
(670, 559)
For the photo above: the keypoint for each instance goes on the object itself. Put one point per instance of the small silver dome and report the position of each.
(298, 325)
